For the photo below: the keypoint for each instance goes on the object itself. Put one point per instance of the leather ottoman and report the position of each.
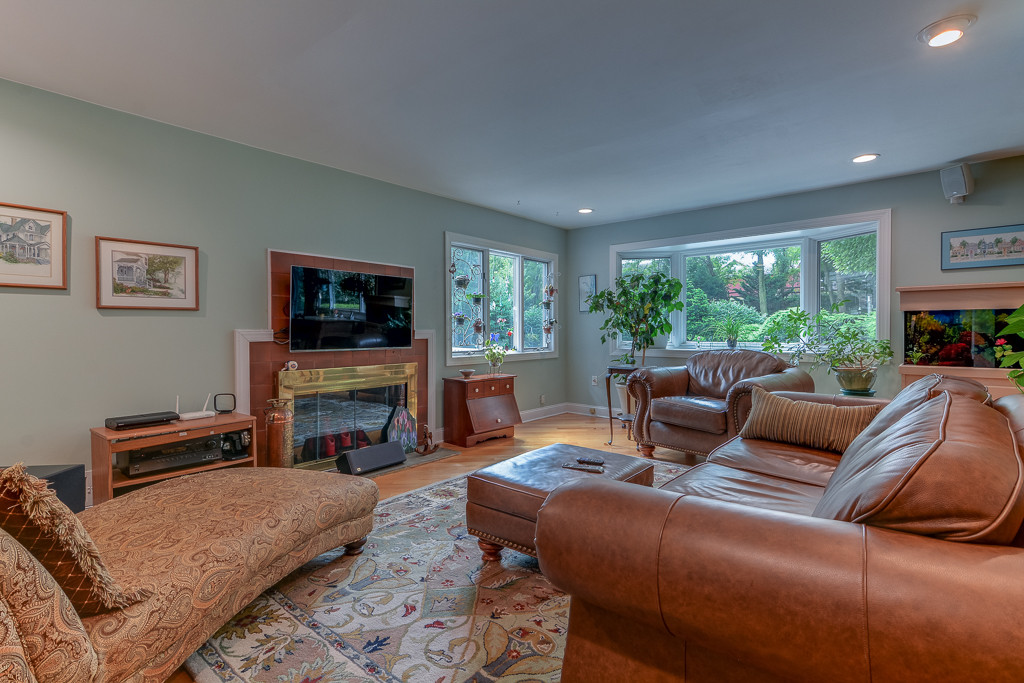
(503, 499)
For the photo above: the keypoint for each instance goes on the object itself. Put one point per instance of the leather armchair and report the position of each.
(701, 405)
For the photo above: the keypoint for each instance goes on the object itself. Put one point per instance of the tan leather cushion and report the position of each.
(34, 515)
(709, 480)
(703, 413)
(36, 612)
(948, 469)
(802, 423)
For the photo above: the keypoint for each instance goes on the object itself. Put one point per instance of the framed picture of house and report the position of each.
(983, 247)
(134, 274)
(33, 247)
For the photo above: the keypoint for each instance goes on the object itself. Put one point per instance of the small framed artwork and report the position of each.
(33, 247)
(983, 247)
(134, 274)
(588, 285)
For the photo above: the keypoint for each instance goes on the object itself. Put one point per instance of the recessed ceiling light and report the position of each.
(863, 158)
(586, 210)
(946, 31)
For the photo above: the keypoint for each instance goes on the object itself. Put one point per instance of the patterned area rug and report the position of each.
(419, 605)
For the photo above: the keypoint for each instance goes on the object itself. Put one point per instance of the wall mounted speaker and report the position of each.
(957, 182)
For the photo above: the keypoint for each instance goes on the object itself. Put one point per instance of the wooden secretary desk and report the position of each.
(479, 408)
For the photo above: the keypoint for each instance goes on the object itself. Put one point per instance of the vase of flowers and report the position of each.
(495, 354)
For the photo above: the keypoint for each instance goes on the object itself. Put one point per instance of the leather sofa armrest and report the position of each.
(739, 402)
(647, 384)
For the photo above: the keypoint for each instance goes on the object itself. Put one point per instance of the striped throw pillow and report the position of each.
(803, 423)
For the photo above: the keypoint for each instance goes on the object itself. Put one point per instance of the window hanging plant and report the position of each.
(459, 318)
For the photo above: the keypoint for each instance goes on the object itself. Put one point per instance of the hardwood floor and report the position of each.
(579, 430)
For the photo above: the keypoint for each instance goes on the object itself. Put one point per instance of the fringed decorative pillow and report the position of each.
(804, 423)
(33, 514)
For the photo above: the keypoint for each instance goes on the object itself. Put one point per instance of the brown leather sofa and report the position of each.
(901, 560)
(701, 405)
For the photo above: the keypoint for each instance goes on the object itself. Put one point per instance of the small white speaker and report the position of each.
(957, 182)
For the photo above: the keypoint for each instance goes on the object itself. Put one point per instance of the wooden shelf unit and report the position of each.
(107, 443)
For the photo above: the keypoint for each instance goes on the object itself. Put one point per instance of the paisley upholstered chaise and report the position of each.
(200, 547)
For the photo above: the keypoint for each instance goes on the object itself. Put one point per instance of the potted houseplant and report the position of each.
(478, 325)
(639, 305)
(459, 318)
(729, 331)
(477, 297)
(835, 340)
(462, 281)
(495, 355)
(1005, 353)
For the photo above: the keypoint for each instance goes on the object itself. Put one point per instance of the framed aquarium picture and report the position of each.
(151, 275)
(33, 247)
(983, 247)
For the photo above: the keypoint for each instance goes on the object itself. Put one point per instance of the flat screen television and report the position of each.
(337, 309)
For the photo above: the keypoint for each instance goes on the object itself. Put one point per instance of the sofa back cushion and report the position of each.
(805, 423)
(915, 395)
(51, 636)
(949, 468)
(713, 372)
(33, 514)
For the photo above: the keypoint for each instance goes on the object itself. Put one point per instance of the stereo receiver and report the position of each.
(169, 456)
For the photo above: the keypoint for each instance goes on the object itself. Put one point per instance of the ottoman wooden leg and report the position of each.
(492, 551)
(355, 547)
(646, 451)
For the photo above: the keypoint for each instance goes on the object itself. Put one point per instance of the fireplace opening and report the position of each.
(342, 409)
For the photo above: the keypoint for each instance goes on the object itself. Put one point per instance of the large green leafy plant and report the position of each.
(639, 305)
(1008, 358)
(834, 339)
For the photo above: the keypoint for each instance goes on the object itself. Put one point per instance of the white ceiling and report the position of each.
(539, 107)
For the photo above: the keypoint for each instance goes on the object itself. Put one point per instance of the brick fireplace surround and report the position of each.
(259, 356)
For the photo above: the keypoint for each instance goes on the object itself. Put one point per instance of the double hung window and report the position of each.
(502, 294)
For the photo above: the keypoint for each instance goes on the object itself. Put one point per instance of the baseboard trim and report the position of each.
(560, 408)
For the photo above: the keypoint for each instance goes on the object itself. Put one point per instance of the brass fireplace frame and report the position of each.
(292, 383)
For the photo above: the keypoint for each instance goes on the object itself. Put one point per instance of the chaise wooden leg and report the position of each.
(355, 547)
(646, 451)
(492, 551)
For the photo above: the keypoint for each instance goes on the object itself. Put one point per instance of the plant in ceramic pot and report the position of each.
(1005, 353)
(834, 339)
(477, 297)
(639, 305)
(459, 318)
(728, 330)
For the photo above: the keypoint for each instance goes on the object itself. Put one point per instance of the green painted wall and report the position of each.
(920, 214)
(67, 365)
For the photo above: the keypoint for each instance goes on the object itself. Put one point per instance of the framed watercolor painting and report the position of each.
(588, 285)
(983, 247)
(33, 247)
(134, 274)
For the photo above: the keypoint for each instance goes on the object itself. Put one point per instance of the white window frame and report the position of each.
(806, 234)
(454, 239)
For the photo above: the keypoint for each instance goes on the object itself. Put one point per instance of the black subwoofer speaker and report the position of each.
(363, 460)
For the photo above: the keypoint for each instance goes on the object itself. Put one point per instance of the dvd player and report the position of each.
(141, 420)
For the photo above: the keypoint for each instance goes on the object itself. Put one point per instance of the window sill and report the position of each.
(478, 358)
